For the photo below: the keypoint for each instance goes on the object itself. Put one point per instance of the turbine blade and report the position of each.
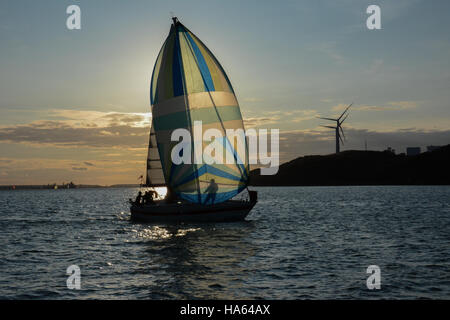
(327, 119)
(345, 111)
(329, 127)
(344, 118)
(342, 130)
(342, 141)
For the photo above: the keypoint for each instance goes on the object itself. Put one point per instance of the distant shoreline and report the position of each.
(51, 187)
(347, 168)
(28, 188)
(358, 168)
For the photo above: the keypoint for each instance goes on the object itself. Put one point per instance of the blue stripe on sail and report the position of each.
(206, 75)
(220, 197)
(208, 169)
(218, 64)
(176, 69)
(238, 160)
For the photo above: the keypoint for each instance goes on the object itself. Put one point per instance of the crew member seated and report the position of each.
(149, 197)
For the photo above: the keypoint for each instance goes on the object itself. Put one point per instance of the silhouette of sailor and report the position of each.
(138, 198)
(211, 191)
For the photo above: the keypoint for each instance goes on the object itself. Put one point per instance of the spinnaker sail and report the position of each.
(188, 86)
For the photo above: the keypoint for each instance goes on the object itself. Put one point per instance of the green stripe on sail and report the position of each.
(206, 115)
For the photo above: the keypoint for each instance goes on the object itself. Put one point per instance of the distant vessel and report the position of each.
(189, 85)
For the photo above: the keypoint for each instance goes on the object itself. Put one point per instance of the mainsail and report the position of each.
(189, 85)
(155, 176)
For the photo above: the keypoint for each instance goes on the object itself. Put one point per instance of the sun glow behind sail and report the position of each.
(189, 84)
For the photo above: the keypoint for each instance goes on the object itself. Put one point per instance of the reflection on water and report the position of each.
(159, 233)
(196, 261)
(298, 243)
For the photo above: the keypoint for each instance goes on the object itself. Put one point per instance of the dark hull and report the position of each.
(227, 211)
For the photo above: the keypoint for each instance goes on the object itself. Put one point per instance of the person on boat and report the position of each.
(211, 190)
(138, 198)
(149, 197)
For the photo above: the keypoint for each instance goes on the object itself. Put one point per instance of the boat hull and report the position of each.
(227, 211)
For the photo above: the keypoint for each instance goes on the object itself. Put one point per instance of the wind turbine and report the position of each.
(338, 127)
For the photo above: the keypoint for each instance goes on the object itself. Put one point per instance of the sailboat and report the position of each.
(188, 86)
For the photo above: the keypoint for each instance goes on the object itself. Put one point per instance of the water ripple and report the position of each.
(298, 243)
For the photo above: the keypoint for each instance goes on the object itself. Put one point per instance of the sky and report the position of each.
(74, 104)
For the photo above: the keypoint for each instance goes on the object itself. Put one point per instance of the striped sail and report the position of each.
(189, 85)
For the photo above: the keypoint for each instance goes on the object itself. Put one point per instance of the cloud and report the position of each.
(82, 128)
(329, 49)
(84, 118)
(258, 121)
(115, 134)
(321, 141)
(252, 99)
(79, 168)
(403, 105)
(389, 106)
(305, 115)
(280, 116)
(294, 143)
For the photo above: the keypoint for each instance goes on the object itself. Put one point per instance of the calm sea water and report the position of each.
(298, 243)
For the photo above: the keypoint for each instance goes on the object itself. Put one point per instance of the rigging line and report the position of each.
(214, 104)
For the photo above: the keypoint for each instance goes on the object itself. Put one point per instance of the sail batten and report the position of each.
(189, 85)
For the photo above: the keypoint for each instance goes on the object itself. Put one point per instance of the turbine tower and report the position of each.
(338, 127)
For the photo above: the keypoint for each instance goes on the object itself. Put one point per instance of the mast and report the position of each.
(337, 140)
